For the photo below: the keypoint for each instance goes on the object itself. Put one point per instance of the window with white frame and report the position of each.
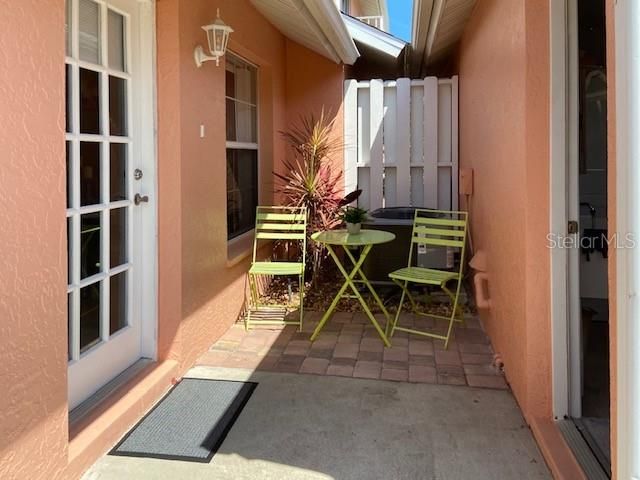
(242, 145)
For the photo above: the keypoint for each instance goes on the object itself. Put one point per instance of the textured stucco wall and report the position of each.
(201, 295)
(313, 83)
(33, 325)
(504, 137)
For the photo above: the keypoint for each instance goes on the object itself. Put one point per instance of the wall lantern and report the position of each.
(218, 37)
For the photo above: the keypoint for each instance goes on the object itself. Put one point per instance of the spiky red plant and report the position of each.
(309, 180)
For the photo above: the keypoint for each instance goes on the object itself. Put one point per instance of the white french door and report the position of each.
(110, 186)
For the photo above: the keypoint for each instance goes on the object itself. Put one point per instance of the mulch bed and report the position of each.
(282, 290)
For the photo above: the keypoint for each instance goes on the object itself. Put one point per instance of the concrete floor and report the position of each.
(321, 427)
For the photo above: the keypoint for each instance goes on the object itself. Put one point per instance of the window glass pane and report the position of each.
(231, 120)
(118, 234)
(117, 106)
(241, 80)
(68, 98)
(90, 316)
(90, 233)
(241, 93)
(89, 101)
(89, 173)
(89, 31)
(118, 172)
(116, 41)
(245, 123)
(118, 302)
(242, 190)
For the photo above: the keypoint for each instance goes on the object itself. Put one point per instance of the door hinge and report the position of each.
(572, 226)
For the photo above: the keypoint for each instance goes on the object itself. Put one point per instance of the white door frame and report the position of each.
(627, 356)
(627, 298)
(147, 97)
(85, 378)
(559, 209)
(565, 206)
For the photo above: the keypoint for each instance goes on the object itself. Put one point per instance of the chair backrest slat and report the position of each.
(281, 223)
(443, 242)
(280, 236)
(439, 228)
(282, 227)
(439, 231)
(287, 217)
(439, 221)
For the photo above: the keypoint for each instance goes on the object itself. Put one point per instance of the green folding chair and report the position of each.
(277, 224)
(433, 229)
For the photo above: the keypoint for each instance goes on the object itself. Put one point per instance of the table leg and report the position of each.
(335, 301)
(365, 280)
(349, 283)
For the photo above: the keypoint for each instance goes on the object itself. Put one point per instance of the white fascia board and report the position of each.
(330, 21)
(373, 37)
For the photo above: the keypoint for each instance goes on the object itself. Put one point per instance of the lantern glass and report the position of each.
(217, 38)
(218, 41)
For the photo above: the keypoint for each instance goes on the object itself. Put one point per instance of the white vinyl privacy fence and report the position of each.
(401, 142)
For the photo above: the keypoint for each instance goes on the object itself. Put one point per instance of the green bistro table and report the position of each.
(366, 239)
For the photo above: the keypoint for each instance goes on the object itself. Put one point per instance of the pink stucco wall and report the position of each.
(33, 272)
(504, 135)
(200, 291)
(201, 295)
(314, 83)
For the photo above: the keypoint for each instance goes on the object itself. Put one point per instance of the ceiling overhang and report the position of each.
(437, 28)
(317, 25)
(373, 37)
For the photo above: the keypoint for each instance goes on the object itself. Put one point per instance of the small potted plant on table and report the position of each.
(353, 217)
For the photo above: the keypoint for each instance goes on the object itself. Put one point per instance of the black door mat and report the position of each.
(189, 423)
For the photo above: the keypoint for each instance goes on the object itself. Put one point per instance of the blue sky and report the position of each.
(400, 18)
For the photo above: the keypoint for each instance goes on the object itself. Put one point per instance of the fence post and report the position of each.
(350, 136)
(403, 128)
(376, 169)
(430, 167)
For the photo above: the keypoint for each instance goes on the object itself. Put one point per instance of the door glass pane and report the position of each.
(89, 101)
(69, 317)
(89, 31)
(118, 302)
(90, 316)
(69, 172)
(69, 234)
(117, 106)
(116, 41)
(118, 234)
(118, 172)
(89, 173)
(68, 94)
(90, 227)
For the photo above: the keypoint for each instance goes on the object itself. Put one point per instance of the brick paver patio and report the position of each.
(349, 346)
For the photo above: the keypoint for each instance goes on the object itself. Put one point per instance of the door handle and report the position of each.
(138, 199)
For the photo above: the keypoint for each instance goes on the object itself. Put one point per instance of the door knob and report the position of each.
(138, 199)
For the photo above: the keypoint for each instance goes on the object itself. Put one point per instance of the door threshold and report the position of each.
(582, 451)
(86, 407)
